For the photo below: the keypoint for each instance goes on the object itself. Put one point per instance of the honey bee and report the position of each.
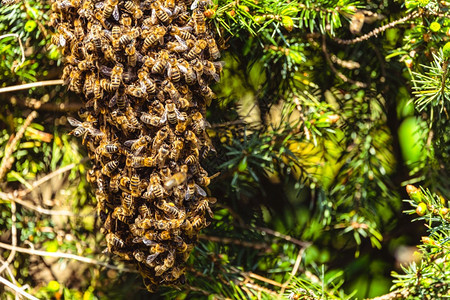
(119, 119)
(78, 29)
(108, 53)
(111, 8)
(107, 225)
(214, 52)
(105, 84)
(114, 183)
(192, 189)
(196, 50)
(155, 189)
(133, 9)
(138, 254)
(170, 89)
(91, 176)
(199, 22)
(124, 182)
(199, 222)
(182, 32)
(131, 116)
(120, 99)
(173, 71)
(110, 167)
(160, 11)
(86, 64)
(189, 74)
(116, 76)
(170, 209)
(150, 119)
(106, 149)
(135, 161)
(121, 214)
(88, 87)
(161, 63)
(82, 128)
(179, 46)
(138, 145)
(210, 69)
(144, 211)
(65, 38)
(202, 206)
(207, 94)
(204, 180)
(126, 22)
(171, 113)
(159, 139)
(192, 138)
(114, 241)
(163, 152)
(156, 35)
(76, 81)
(137, 91)
(177, 147)
(199, 123)
(130, 50)
(127, 201)
(150, 86)
(168, 263)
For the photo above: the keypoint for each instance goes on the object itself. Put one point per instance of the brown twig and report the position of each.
(13, 238)
(294, 270)
(30, 85)
(283, 236)
(39, 209)
(378, 30)
(22, 51)
(339, 74)
(66, 255)
(50, 176)
(402, 294)
(227, 240)
(36, 104)
(7, 159)
(17, 289)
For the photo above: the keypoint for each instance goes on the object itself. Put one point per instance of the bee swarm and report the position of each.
(144, 68)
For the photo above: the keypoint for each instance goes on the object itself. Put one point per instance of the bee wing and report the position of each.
(187, 196)
(151, 258)
(130, 143)
(148, 242)
(106, 70)
(62, 41)
(74, 122)
(137, 240)
(139, 150)
(179, 115)
(168, 11)
(200, 191)
(164, 117)
(99, 4)
(181, 41)
(182, 68)
(95, 132)
(113, 101)
(115, 13)
(194, 4)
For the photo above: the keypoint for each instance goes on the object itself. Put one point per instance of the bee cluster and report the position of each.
(144, 68)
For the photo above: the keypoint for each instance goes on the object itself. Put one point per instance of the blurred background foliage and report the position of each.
(318, 127)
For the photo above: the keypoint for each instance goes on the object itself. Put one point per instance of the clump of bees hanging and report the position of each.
(144, 68)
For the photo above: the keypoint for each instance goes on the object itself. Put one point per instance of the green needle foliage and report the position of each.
(326, 110)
